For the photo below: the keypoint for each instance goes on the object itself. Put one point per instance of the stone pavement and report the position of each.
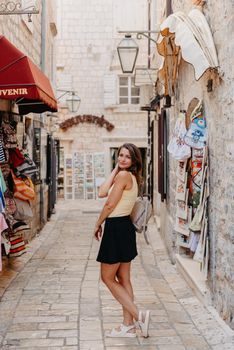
(56, 300)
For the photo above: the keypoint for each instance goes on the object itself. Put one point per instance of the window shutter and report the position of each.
(162, 155)
(145, 94)
(110, 81)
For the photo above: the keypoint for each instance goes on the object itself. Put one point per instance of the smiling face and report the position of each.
(124, 159)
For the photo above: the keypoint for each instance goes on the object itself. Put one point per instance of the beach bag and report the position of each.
(24, 188)
(16, 157)
(17, 245)
(10, 203)
(27, 168)
(3, 157)
(6, 242)
(18, 226)
(9, 135)
(141, 214)
(177, 147)
(197, 132)
(23, 210)
(5, 170)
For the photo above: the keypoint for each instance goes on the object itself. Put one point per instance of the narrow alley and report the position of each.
(56, 301)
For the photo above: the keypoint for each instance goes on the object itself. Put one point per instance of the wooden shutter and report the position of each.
(110, 81)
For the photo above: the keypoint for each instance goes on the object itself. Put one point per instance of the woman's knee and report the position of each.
(123, 280)
(106, 278)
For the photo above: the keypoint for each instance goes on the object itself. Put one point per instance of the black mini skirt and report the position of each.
(118, 243)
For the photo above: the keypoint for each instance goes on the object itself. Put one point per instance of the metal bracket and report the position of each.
(15, 8)
(139, 33)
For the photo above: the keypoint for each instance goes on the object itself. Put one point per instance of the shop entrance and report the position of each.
(83, 174)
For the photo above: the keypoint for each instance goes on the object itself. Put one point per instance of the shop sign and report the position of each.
(91, 119)
(10, 92)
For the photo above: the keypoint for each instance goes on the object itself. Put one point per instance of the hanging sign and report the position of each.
(91, 119)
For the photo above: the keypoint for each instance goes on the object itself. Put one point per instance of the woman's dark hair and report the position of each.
(135, 154)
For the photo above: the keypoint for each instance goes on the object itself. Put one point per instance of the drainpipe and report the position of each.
(43, 34)
(149, 29)
(149, 131)
(43, 60)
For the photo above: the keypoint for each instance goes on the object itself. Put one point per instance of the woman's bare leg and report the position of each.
(108, 274)
(123, 276)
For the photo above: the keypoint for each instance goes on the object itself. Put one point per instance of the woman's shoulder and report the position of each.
(123, 175)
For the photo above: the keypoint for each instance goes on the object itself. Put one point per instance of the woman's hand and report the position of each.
(116, 169)
(98, 232)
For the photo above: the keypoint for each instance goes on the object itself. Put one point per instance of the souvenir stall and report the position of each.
(24, 89)
(188, 147)
(16, 190)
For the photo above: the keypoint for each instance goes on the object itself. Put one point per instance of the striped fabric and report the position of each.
(24, 188)
(17, 245)
(2, 154)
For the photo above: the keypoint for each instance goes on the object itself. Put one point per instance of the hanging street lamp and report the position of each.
(128, 52)
(73, 102)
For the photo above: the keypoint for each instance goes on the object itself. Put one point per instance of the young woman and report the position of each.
(118, 245)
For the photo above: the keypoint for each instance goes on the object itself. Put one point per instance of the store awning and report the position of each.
(192, 36)
(21, 80)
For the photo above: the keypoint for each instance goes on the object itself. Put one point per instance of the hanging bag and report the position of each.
(24, 188)
(9, 135)
(23, 210)
(3, 157)
(17, 245)
(10, 203)
(177, 147)
(196, 135)
(27, 167)
(16, 157)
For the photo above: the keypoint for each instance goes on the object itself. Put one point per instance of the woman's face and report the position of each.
(124, 159)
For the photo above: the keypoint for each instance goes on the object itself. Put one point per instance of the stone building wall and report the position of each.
(218, 107)
(86, 53)
(24, 35)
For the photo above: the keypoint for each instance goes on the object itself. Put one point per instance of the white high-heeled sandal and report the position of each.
(123, 332)
(143, 322)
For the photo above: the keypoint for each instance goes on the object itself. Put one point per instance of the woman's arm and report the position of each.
(114, 197)
(104, 188)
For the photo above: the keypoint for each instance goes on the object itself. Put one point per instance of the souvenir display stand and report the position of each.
(83, 174)
(189, 147)
(16, 190)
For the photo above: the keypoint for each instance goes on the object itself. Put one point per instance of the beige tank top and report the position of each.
(127, 201)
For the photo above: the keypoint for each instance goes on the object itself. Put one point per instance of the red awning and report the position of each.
(21, 80)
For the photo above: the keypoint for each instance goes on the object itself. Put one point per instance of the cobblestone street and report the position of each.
(56, 300)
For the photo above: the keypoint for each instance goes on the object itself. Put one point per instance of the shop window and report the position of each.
(128, 92)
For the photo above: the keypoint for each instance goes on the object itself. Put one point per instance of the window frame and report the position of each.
(129, 87)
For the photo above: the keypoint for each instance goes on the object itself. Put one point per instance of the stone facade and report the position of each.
(218, 107)
(86, 59)
(36, 40)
